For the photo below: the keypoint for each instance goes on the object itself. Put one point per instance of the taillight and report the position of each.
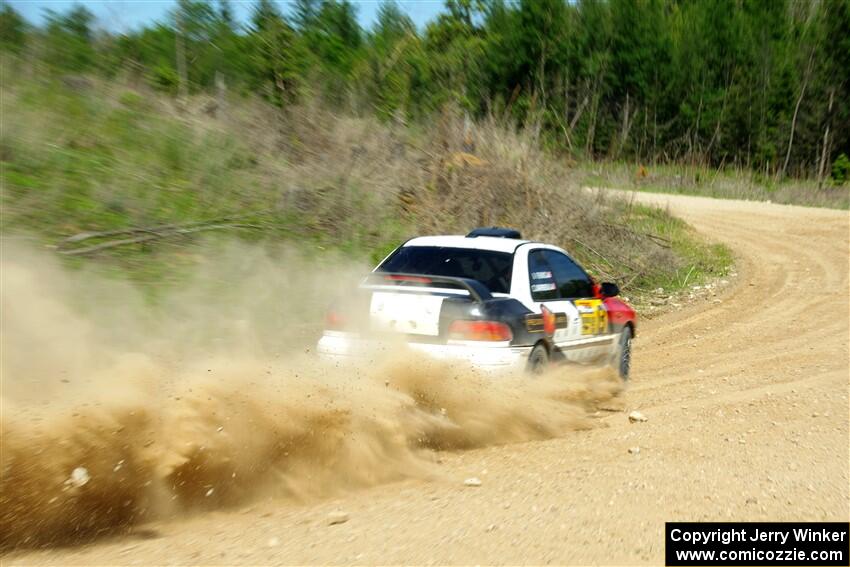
(480, 331)
(334, 321)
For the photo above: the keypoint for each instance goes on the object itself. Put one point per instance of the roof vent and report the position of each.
(495, 231)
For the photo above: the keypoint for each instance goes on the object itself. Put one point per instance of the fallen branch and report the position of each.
(583, 245)
(628, 283)
(659, 240)
(609, 262)
(150, 237)
(118, 232)
(624, 228)
(153, 229)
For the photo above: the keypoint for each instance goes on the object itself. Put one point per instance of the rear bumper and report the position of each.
(340, 346)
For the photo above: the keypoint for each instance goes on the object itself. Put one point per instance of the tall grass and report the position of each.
(105, 156)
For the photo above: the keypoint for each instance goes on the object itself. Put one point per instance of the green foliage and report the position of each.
(333, 39)
(273, 55)
(83, 161)
(114, 157)
(841, 169)
(755, 84)
(393, 61)
(12, 30)
(698, 260)
(69, 39)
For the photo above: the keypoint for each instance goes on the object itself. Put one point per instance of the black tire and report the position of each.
(538, 360)
(622, 359)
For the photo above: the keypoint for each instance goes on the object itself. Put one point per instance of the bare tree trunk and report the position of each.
(566, 112)
(624, 131)
(654, 133)
(578, 113)
(643, 142)
(695, 145)
(541, 82)
(825, 151)
(796, 111)
(763, 104)
(591, 131)
(749, 128)
(716, 135)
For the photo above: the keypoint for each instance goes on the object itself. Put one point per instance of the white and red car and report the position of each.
(488, 298)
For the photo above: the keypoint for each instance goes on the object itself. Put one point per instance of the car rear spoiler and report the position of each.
(477, 291)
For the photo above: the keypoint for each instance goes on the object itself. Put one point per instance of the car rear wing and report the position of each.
(477, 291)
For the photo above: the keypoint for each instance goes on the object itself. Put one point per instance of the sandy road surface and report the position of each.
(747, 402)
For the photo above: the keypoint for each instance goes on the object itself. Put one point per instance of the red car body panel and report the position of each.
(619, 312)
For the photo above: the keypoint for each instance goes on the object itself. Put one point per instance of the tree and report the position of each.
(392, 61)
(264, 15)
(834, 63)
(392, 24)
(202, 38)
(274, 55)
(334, 41)
(225, 13)
(13, 30)
(755, 83)
(640, 59)
(542, 25)
(69, 39)
(304, 13)
(454, 51)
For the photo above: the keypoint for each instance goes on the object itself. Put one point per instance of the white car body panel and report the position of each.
(414, 314)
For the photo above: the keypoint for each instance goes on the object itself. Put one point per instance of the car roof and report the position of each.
(494, 243)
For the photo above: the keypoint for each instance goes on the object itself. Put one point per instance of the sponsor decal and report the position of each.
(542, 287)
(546, 322)
(594, 316)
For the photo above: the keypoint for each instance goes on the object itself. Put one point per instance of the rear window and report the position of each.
(493, 269)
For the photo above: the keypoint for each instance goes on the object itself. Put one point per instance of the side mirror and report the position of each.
(609, 289)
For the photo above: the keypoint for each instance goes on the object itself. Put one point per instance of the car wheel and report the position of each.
(622, 360)
(538, 360)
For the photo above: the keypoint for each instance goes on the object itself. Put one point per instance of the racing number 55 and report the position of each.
(594, 316)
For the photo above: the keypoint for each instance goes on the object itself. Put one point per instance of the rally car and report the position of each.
(489, 298)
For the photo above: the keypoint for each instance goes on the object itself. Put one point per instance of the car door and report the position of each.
(545, 297)
(591, 337)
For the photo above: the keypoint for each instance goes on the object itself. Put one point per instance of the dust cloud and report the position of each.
(118, 410)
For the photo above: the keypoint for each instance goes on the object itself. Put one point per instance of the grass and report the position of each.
(722, 183)
(701, 260)
(110, 156)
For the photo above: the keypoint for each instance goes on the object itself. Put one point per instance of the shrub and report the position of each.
(841, 169)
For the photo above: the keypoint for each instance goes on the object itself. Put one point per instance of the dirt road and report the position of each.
(747, 401)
